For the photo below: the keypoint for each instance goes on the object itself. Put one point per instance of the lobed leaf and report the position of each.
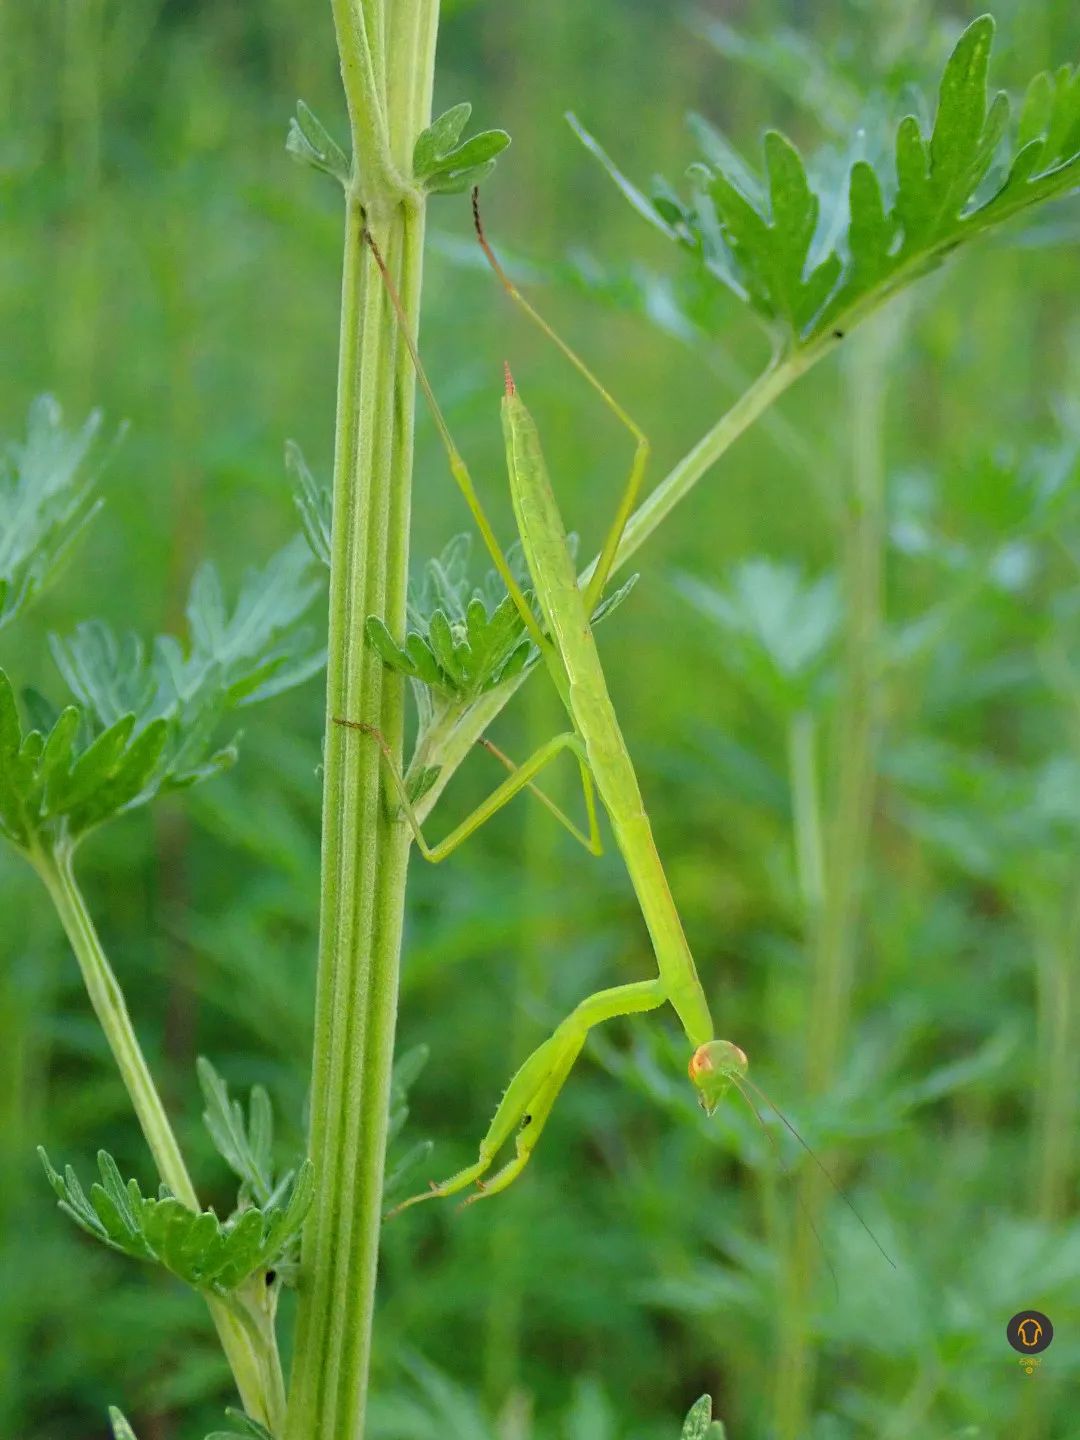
(46, 502)
(145, 722)
(245, 1426)
(775, 628)
(245, 1146)
(120, 1428)
(58, 786)
(197, 1247)
(813, 259)
(313, 502)
(464, 639)
(699, 1424)
(444, 164)
(310, 143)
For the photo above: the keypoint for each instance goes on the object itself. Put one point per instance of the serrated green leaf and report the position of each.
(699, 1424)
(477, 150)
(314, 502)
(773, 249)
(194, 1246)
(384, 645)
(309, 142)
(120, 1427)
(56, 756)
(284, 1225)
(243, 1250)
(145, 723)
(46, 502)
(246, 1426)
(408, 1068)
(442, 166)
(421, 781)
(443, 646)
(640, 202)
(118, 1194)
(815, 260)
(93, 766)
(72, 1199)
(131, 776)
(440, 137)
(261, 1130)
(456, 182)
(961, 111)
(246, 1149)
(399, 1173)
(477, 627)
(610, 603)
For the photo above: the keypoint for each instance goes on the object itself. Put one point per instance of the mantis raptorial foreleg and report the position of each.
(532, 1092)
(521, 778)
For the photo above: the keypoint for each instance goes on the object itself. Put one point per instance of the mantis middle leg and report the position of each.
(521, 778)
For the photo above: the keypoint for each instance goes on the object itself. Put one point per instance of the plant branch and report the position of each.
(781, 373)
(253, 1365)
(832, 932)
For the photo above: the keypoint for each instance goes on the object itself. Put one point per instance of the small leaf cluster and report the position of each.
(197, 1247)
(143, 723)
(462, 639)
(46, 502)
(314, 502)
(243, 1427)
(246, 1144)
(777, 628)
(444, 164)
(310, 143)
(407, 1069)
(811, 264)
(699, 1423)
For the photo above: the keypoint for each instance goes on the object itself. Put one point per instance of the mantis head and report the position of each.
(713, 1069)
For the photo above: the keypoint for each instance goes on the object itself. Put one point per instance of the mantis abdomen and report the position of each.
(575, 666)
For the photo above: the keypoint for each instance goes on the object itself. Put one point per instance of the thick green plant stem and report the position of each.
(833, 916)
(806, 815)
(387, 66)
(1055, 946)
(253, 1365)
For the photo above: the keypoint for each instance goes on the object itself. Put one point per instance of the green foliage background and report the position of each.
(162, 259)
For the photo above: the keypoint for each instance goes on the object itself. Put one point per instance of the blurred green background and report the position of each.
(161, 258)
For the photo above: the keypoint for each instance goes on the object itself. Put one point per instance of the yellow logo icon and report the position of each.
(1029, 1333)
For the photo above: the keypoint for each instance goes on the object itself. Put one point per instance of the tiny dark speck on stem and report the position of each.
(838, 334)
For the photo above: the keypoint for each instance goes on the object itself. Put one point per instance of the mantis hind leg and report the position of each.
(532, 1092)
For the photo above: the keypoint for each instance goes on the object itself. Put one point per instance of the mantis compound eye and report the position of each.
(713, 1068)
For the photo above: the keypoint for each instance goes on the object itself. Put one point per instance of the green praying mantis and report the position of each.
(564, 637)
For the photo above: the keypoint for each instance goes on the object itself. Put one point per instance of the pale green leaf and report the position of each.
(812, 259)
